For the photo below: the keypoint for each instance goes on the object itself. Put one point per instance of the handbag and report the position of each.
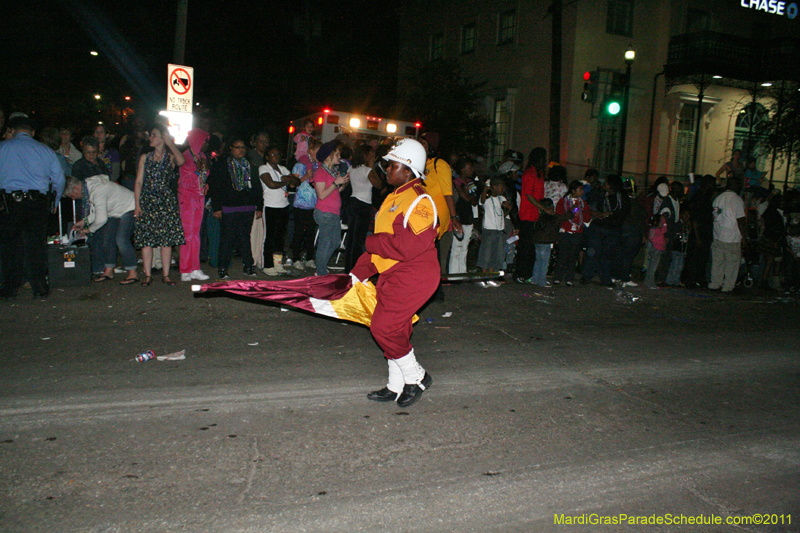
(306, 196)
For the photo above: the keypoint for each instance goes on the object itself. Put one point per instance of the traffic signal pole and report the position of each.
(623, 130)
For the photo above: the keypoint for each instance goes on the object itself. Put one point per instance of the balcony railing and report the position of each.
(708, 53)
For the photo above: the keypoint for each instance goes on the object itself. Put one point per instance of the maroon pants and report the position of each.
(402, 290)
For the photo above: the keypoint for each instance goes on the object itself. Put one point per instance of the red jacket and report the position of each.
(581, 214)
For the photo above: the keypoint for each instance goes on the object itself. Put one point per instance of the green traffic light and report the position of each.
(613, 108)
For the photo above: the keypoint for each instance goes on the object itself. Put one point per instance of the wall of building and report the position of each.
(521, 72)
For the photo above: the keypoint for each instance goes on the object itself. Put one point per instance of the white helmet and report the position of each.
(410, 153)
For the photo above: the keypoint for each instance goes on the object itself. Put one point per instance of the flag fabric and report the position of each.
(333, 295)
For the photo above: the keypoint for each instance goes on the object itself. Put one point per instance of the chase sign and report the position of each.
(773, 7)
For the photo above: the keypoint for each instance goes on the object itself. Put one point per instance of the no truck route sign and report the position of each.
(180, 88)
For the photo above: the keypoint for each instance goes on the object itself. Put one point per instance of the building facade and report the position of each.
(703, 81)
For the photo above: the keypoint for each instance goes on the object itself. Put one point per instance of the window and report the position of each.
(507, 27)
(606, 156)
(500, 127)
(684, 146)
(748, 134)
(437, 46)
(620, 17)
(467, 38)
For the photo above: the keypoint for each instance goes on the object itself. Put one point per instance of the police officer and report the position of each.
(31, 183)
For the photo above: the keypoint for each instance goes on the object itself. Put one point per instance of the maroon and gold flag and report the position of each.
(333, 295)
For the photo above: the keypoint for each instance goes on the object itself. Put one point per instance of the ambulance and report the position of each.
(330, 124)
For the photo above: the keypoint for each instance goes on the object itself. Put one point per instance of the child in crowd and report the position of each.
(544, 235)
(571, 233)
(658, 245)
(301, 140)
(495, 209)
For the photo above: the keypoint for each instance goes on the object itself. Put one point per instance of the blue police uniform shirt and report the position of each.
(28, 165)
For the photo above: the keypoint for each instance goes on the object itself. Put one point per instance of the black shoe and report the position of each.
(41, 295)
(411, 393)
(383, 395)
(250, 271)
(223, 273)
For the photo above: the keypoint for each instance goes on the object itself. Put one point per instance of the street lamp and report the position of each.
(630, 57)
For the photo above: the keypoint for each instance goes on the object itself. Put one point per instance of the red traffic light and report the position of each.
(589, 93)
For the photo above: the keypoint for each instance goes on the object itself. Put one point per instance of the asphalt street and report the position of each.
(547, 405)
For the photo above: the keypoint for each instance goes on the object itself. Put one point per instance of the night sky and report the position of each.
(256, 63)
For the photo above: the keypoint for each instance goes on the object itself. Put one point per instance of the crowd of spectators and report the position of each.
(712, 233)
(216, 197)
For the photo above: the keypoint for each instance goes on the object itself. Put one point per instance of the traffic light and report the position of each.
(612, 105)
(589, 93)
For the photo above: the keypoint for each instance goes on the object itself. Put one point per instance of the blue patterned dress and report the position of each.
(160, 221)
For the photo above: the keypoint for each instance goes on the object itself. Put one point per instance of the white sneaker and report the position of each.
(491, 283)
(630, 284)
(298, 265)
(311, 264)
(279, 269)
(270, 271)
(482, 284)
(199, 275)
(186, 277)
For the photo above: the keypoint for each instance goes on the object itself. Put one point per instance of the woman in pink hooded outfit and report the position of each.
(191, 199)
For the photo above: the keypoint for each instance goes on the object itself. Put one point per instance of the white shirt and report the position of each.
(276, 198)
(493, 215)
(728, 207)
(106, 200)
(362, 188)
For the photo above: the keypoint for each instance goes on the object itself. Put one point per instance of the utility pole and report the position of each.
(556, 10)
(701, 91)
(630, 56)
(179, 54)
